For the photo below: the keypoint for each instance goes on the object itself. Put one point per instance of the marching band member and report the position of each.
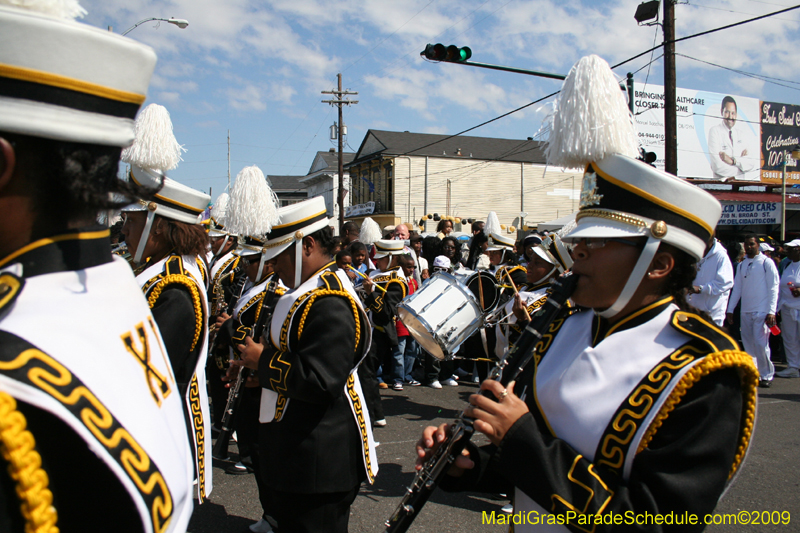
(548, 260)
(316, 439)
(641, 406)
(504, 264)
(91, 427)
(252, 211)
(166, 231)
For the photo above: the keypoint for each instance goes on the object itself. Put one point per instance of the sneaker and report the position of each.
(380, 423)
(435, 384)
(262, 526)
(765, 383)
(383, 385)
(397, 386)
(450, 382)
(413, 383)
(507, 508)
(789, 372)
(476, 378)
(239, 469)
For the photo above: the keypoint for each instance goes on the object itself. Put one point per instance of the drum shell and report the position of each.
(441, 315)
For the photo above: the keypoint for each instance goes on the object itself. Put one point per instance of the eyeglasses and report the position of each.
(594, 244)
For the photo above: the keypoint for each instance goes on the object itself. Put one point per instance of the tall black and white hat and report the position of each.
(155, 151)
(67, 81)
(500, 242)
(295, 222)
(622, 196)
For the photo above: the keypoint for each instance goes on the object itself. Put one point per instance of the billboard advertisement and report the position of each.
(718, 135)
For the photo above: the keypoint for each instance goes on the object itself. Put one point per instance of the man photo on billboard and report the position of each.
(730, 148)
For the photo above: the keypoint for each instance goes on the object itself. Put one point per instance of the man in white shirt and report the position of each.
(712, 285)
(789, 307)
(730, 150)
(756, 284)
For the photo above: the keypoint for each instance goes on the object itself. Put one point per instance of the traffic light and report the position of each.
(452, 53)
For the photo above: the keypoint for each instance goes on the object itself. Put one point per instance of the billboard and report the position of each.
(722, 137)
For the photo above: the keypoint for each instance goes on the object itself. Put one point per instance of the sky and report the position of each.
(256, 68)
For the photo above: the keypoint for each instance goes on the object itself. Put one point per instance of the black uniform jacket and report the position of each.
(684, 468)
(316, 445)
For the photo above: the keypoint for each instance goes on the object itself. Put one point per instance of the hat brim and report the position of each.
(598, 228)
(542, 254)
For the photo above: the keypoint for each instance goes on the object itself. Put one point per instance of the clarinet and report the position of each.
(506, 371)
(234, 395)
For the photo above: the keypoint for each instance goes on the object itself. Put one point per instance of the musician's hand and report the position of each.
(221, 319)
(519, 309)
(250, 353)
(368, 285)
(495, 418)
(432, 438)
(230, 375)
(252, 381)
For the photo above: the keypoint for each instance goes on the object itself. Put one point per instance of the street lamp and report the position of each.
(181, 23)
(796, 156)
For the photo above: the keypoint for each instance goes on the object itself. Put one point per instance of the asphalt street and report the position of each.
(768, 481)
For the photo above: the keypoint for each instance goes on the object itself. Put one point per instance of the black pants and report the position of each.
(314, 513)
(368, 371)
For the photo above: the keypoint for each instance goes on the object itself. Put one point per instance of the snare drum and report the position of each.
(486, 282)
(441, 315)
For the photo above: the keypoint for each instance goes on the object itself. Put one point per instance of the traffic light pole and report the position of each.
(511, 69)
(338, 103)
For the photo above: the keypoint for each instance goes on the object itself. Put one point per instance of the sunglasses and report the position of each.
(594, 244)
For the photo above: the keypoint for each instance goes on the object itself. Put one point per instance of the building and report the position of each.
(289, 189)
(323, 180)
(403, 177)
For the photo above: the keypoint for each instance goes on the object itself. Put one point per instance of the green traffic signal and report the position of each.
(452, 53)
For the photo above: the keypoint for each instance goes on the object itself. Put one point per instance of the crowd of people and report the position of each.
(259, 320)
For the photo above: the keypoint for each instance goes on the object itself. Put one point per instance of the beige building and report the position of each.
(411, 175)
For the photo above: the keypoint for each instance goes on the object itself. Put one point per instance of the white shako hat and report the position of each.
(252, 212)
(63, 80)
(622, 196)
(385, 247)
(500, 242)
(155, 151)
(295, 222)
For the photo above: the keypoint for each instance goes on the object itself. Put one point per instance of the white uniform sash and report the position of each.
(139, 434)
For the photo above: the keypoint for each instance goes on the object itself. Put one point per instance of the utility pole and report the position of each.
(670, 96)
(229, 160)
(339, 102)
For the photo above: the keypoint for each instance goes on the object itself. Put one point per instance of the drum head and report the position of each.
(485, 282)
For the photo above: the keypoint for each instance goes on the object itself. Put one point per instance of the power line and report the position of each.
(767, 79)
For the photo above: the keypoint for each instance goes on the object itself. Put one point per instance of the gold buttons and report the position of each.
(658, 229)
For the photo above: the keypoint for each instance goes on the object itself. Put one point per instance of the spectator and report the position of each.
(449, 248)
(422, 263)
(756, 284)
(444, 228)
(711, 287)
(789, 307)
(406, 345)
(477, 258)
(350, 231)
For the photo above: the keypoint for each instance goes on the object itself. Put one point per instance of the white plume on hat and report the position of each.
(253, 206)
(63, 9)
(591, 119)
(492, 224)
(370, 232)
(155, 146)
(220, 208)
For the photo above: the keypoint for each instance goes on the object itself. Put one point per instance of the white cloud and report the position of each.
(247, 98)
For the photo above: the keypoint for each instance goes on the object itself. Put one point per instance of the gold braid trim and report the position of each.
(196, 300)
(711, 363)
(25, 468)
(329, 292)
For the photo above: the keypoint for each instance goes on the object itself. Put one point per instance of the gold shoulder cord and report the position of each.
(179, 279)
(25, 468)
(712, 362)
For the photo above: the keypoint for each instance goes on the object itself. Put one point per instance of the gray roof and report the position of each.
(286, 184)
(332, 159)
(392, 143)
